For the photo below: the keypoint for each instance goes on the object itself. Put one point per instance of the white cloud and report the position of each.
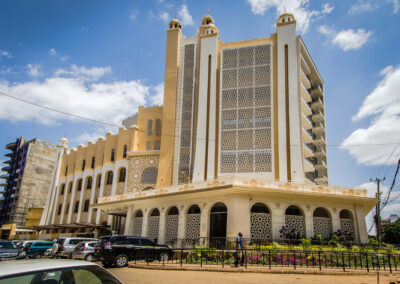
(158, 97)
(396, 6)
(85, 137)
(360, 7)
(34, 70)
(184, 14)
(300, 8)
(84, 73)
(107, 102)
(133, 15)
(5, 54)
(346, 39)
(383, 106)
(151, 15)
(64, 58)
(164, 16)
(52, 52)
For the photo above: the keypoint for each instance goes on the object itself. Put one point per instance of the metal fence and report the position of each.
(275, 258)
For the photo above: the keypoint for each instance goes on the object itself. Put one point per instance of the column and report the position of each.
(145, 222)
(161, 227)
(71, 200)
(92, 195)
(115, 180)
(335, 220)
(278, 219)
(103, 172)
(129, 221)
(182, 226)
(360, 225)
(81, 200)
(238, 219)
(204, 224)
(308, 219)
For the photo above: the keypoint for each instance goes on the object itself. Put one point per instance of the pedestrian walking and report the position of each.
(239, 250)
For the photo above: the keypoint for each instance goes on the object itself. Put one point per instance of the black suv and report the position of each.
(119, 249)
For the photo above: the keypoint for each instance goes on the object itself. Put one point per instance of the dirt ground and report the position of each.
(144, 276)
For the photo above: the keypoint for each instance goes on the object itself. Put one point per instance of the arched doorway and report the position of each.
(322, 223)
(294, 223)
(138, 223)
(171, 233)
(218, 218)
(193, 225)
(153, 225)
(347, 222)
(260, 222)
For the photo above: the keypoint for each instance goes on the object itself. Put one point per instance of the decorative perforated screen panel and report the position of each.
(322, 226)
(346, 225)
(137, 226)
(153, 227)
(296, 223)
(260, 226)
(193, 226)
(172, 229)
(245, 122)
(189, 66)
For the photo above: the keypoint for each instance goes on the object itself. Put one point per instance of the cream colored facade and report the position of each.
(241, 148)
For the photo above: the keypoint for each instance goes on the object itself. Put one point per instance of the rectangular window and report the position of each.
(83, 164)
(156, 145)
(66, 170)
(93, 161)
(158, 127)
(112, 155)
(125, 151)
(149, 127)
(148, 145)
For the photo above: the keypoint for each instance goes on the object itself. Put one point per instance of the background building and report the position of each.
(30, 169)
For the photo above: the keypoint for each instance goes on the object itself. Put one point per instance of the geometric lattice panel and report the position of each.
(260, 226)
(322, 226)
(245, 121)
(193, 226)
(346, 225)
(296, 223)
(153, 227)
(142, 172)
(171, 233)
(137, 226)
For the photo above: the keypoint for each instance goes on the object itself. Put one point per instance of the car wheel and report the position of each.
(164, 256)
(121, 260)
(38, 255)
(89, 257)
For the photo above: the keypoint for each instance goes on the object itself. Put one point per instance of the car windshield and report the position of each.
(78, 275)
(60, 241)
(7, 245)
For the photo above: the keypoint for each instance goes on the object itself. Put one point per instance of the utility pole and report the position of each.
(378, 210)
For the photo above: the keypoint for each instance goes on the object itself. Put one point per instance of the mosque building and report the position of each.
(239, 145)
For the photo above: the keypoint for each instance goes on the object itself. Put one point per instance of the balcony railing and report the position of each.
(309, 152)
(305, 64)
(307, 121)
(307, 109)
(320, 152)
(306, 80)
(318, 116)
(307, 96)
(308, 137)
(317, 104)
(308, 163)
(317, 91)
(321, 164)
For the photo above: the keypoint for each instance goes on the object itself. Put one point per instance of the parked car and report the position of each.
(119, 249)
(38, 249)
(9, 250)
(23, 244)
(63, 247)
(84, 250)
(54, 271)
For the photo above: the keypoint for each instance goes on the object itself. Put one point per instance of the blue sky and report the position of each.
(102, 59)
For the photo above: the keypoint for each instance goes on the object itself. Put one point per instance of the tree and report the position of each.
(391, 233)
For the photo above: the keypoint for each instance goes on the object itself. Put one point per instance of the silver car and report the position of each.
(64, 247)
(84, 250)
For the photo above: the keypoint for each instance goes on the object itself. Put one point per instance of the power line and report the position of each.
(175, 136)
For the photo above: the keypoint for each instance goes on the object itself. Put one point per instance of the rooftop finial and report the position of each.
(208, 11)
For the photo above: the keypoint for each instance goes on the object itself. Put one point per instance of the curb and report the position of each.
(252, 270)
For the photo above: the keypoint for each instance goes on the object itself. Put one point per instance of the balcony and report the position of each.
(321, 179)
(7, 162)
(308, 151)
(317, 92)
(5, 176)
(305, 93)
(319, 141)
(317, 104)
(9, 154)
(320, 153)
(318, 128)
(304, 65)
(308, 166)
(11, 146)
(307, 136)
(318, 116)
(304, 79)
(321, 166)
(305, 107)
(6, 169)
(307, 123)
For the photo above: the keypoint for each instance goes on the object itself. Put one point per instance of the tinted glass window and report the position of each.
(133, 241)
(146, 242)
(91, 244)
(74, 242)
(7, 245)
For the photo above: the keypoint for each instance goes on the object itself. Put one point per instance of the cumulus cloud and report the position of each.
(52, 52)
(164, 16)
(5, 54)
(382, 105)
(396, 5)
(346, 39)
(186, 17)
(84, 73)
(158, 97)
(34, 70)
(300, 9)
(133, 15)
(361, 7)
(76, 94)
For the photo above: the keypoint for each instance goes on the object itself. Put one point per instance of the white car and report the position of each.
(54, 271)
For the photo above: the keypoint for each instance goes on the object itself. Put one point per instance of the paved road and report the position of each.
(144, 276)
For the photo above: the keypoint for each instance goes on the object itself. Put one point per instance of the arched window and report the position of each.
(158, 127)
(125, 151)
(76, 207)
(294, 223)
(260, 222)
(346, 222)
(86, 206)
(122, 175)
(149, 175)
(89, 183)
(110, 177)
(112, 155)
(79, 187)
(149, 127)
(59, 209)
(62, 189)
(138, 223)
(171, 232)
(322, 223)
(153, 224)
(98, 181)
